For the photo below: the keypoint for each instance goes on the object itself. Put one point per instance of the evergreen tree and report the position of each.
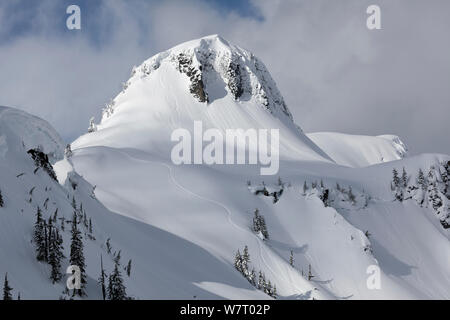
(7, 296)
(77, 255)
(305, 188)
(102, 278)
(245, 261)
(90, 225)
(92, 125)
(108, 246)
(1, 200)
(291, 259)
(395, 179)
(351, 196)
(434, 197)
(238, 261)
(68, 151)
(404, 180)
(259, 224)
(39, 237)
(261, 281)
(116, 288)
(268, 289)
(253, 277)
(46, 237)
(421, 181)
(56, 254)
(129, 268)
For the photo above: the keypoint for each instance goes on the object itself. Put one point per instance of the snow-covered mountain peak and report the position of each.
(208, 80)
(216, 67)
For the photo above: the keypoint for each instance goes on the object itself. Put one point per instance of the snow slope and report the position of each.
(359, 151)
(24, 190)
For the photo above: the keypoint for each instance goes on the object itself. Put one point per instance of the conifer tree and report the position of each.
(263, 225)
(261, 281)
(77, 255)
(404, 181)
(421, 181)
(102, 278)
(253, 277)
(1, 200)
(305, 188)
(351, 196)
(39, 237)
(268, 289)
(116, 288)
(395, 179)
(7, 296)
(46, 236)
(291, 259)
(238, 261)
(108, 246)
(245, 261)
(56, 254)
(128, 269)
(90, 225)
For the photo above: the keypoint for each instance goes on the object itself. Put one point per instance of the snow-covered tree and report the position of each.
(7, 295)
(245, 261)
(351, 196)
(421, 181)
(77, 254)
(39, 237)
(102, 278)
(238, 261)
(68, 151)
(259, 224)
(56, 253)
(261, 281)
(395, 178)
(305, 188)
(116, 288)
(404, 181)
(92, 125)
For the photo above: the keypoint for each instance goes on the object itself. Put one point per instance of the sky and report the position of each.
(334, 73)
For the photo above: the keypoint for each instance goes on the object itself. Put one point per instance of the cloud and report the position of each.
(334, 73)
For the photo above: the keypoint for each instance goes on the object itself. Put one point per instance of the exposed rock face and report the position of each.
(197, 88)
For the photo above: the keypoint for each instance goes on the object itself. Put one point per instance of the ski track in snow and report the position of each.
(262, 248)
